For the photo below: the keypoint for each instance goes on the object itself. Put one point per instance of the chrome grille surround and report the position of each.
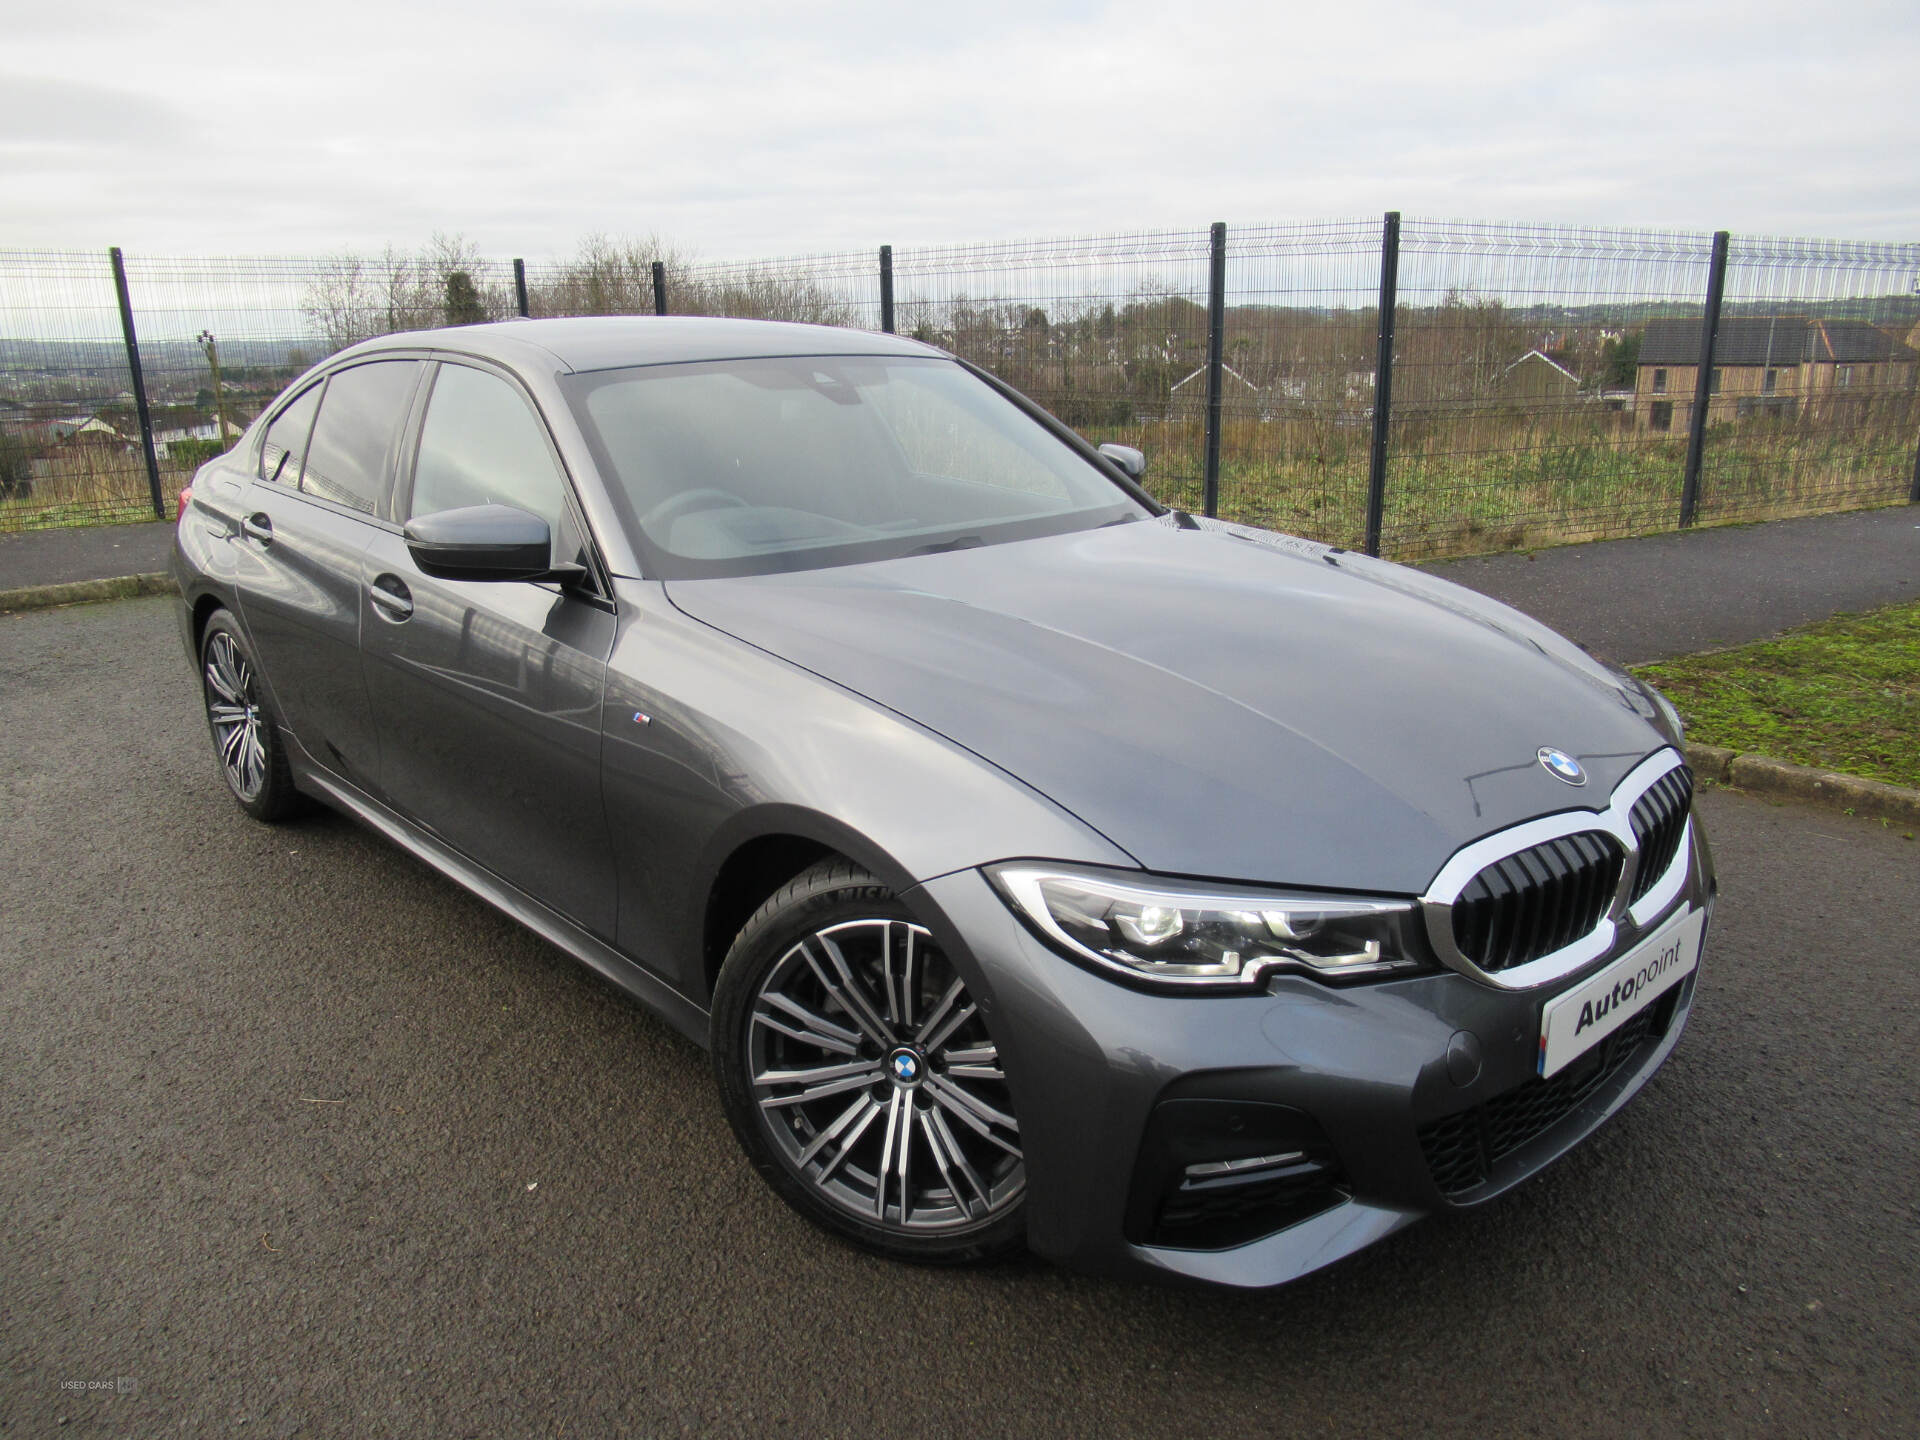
(1616, 820)
(1659, 822)
(1528, 905)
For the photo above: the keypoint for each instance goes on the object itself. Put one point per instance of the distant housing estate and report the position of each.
(1779, 366)
(207, 430)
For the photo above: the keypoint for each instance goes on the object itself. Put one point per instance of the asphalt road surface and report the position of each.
(83, 552)
(300, 1139)
(1657, 596)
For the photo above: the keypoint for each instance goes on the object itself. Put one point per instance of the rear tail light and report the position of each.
(180, 505)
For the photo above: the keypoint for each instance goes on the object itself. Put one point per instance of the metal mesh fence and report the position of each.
(1104, 331)
(1813, 404)
(219, 337)
(613, 279)
(1543, 376)
(842, 289)
(1520, 416)
(66, 395)
(1296, 391)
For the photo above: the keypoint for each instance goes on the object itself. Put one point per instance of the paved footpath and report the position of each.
(1628, 600)
(83, 552)
(1657, 596)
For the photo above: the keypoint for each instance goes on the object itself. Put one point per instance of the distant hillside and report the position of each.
(19, 353)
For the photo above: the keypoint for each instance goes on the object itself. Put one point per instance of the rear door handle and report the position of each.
(258, 526)
(391, 597)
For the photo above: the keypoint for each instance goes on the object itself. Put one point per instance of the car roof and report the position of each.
(607, 342)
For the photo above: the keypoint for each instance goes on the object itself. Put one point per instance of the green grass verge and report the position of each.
(1841, 695)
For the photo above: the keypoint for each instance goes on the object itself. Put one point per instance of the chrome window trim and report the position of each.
(1616, 819)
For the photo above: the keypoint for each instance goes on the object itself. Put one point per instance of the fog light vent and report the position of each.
(1217, 1173)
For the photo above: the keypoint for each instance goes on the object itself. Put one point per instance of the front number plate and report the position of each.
(1573, 1023)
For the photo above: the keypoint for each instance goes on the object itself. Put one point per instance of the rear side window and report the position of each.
(286, 438)
(350, 457)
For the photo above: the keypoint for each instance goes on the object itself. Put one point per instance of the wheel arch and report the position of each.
(760, 851)
(202, 611)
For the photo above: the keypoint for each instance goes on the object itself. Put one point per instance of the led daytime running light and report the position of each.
(1166, 934)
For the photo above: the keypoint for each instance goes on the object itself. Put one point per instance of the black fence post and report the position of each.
(1913, 495)
(1383, 379)
(1216, 345)
(886, 288)
(659, 287)
(1703, 381)
(520, 286)
(139, 383)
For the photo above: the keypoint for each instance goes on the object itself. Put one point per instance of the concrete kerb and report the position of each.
(80, 592)
(1763, 775)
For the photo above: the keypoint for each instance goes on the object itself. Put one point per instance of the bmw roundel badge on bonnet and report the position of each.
(1562, 766)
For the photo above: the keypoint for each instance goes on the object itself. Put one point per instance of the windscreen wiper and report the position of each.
(964, 542)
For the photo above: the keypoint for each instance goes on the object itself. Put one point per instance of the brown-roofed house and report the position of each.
(1770, 365)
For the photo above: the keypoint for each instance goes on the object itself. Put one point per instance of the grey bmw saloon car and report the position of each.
(1039, 865)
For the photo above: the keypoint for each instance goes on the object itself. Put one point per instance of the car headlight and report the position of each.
(1181, 936)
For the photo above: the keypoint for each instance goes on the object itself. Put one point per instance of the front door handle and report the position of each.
(258, 526)
(391, 598)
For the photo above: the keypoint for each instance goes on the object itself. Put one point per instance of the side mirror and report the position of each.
(1131, 462)
(481, 542)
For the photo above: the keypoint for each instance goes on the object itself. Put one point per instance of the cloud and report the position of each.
(768, 128)
(51, 114)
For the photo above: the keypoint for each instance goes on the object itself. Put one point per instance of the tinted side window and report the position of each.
(286, 438)
(483, 445)
(355, 436)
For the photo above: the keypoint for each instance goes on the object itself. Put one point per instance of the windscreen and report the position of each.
(749, 466)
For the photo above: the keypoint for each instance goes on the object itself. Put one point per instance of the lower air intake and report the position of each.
(1462, 1149)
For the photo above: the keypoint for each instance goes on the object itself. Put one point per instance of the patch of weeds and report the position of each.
(1843, 695)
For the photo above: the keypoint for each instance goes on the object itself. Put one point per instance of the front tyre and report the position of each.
(252, 758)
(861, 1078)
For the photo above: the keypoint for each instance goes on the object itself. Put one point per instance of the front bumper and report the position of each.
(1406, 1097)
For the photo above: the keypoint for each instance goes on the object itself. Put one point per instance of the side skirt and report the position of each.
(640, 983)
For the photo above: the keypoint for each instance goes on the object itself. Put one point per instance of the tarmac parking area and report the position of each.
(295, 1132)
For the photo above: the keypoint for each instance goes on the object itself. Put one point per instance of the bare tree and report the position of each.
(608, 276)
(354, 298)
(339, 301)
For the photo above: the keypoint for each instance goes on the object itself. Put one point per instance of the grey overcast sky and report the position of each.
(744, 129)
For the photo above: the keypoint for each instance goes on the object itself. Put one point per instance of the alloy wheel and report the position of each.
(233, 710)
(873, 1072)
